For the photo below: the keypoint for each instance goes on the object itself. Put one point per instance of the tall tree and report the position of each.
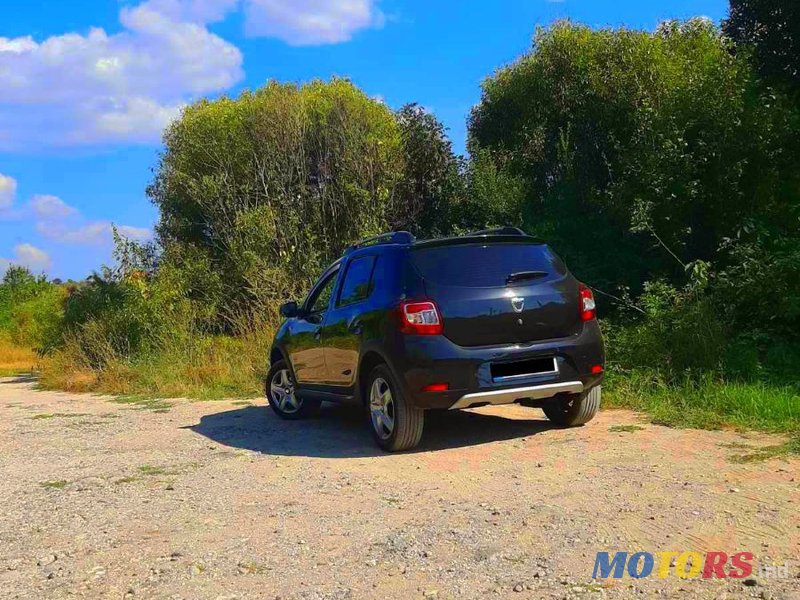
(267, 188)
(431, 175)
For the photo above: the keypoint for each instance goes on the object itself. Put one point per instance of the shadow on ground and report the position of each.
(17, 379)
(343, 432)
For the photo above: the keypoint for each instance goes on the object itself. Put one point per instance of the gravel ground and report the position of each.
(222, 500)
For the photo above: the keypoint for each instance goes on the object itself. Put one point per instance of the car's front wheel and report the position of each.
(577, 409)
(396, 424)
(282, 394)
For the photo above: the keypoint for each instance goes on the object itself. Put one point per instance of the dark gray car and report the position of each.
(402, 326)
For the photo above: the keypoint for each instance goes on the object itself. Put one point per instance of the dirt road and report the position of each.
(222, 500)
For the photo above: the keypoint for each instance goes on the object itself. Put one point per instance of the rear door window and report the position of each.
(488, 265)
(357, 285)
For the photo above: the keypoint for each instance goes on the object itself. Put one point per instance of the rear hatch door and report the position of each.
(494, 293)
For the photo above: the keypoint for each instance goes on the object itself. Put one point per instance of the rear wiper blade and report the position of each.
(523, 275)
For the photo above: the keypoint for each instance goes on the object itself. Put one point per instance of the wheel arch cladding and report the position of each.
(275, 355)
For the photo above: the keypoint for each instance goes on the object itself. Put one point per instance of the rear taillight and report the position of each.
(420, 318)
(587, 305)
(436, 387)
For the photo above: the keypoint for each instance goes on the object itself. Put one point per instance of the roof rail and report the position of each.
(508, 230)
(393, 237)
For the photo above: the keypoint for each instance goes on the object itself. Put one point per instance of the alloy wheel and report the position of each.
(282, 392)
(381, 405)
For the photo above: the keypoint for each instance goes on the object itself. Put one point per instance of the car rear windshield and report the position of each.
(488, 265)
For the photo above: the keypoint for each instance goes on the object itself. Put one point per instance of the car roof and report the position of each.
(508, 235)
(477, 239)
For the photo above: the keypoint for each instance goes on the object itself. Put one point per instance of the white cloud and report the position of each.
(310, 22)
(51, 207)
(135, 233)
(8, 191)
(92, 233)
(297, 22)
(98, 88)
(63, 223)
(27, 255)
(32, 257)
(193, 11)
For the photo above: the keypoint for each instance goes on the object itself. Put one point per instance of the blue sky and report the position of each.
(87, 86)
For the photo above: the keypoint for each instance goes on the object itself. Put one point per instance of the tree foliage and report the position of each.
(31, 308)
(269, 187)
(770, 29)
(650, 156)
(431, 185)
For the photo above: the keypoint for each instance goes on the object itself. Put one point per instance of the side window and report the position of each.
(321, 297)
(357, 284)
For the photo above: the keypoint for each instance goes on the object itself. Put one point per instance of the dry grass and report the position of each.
(64, 371)
(212, 368)
(14, 359)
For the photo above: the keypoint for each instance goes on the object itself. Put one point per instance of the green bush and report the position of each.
(679, 336)
(31, 309)
(37, 322)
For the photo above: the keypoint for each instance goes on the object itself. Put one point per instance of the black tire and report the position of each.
(407, 421)
(291, 406)
(577, 409)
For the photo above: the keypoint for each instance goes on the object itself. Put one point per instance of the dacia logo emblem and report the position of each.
(518, 304)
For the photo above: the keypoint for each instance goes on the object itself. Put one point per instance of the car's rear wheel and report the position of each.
(396, 424)
(577, 409)
(282, 394)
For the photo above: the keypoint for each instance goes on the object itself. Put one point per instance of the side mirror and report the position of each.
(289, 310)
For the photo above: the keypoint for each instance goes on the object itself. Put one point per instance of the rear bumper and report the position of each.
(426, 360)
(534, 392)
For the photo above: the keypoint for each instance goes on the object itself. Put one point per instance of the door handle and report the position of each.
(318, 333)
